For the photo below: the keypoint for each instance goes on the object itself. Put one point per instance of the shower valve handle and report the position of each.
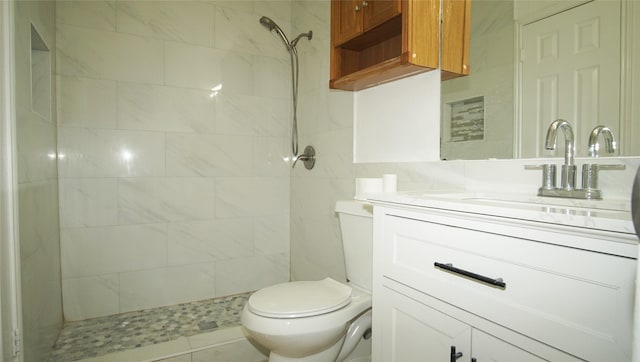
(308, 158)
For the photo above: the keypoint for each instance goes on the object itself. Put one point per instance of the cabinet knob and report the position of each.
(357, 9)
(364, 4)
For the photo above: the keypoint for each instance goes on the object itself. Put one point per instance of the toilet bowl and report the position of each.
(316, 332)
(319, 321)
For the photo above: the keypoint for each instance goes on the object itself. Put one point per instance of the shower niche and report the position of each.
(40, 76)
(378, 41)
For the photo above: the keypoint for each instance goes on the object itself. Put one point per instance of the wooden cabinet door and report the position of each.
(414, 332)
(377, 12)
(456, 32)
(346, 20)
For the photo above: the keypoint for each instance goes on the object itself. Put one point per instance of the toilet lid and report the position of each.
(300, 299)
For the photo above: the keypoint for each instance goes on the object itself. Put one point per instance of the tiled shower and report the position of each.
(172, 158)
(172, 134)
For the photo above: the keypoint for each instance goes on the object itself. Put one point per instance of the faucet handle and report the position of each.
(548, 175)
(590, 174)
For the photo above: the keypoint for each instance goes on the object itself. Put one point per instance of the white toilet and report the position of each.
(319, 321)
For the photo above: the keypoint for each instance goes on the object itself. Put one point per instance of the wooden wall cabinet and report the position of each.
(377, 41)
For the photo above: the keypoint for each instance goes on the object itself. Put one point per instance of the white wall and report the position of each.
(396, 122)
(170, 191)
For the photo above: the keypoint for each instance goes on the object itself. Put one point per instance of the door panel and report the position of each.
(570, 72)
(346, 20)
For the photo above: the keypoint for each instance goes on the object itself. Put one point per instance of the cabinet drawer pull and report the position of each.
(497, 282)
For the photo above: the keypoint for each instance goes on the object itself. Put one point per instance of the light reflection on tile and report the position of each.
(200, 67)
(86, 152)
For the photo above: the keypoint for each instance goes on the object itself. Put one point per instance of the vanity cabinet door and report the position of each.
(415, 332)
(486, 347)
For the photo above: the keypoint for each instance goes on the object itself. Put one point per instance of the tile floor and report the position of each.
(163, 331)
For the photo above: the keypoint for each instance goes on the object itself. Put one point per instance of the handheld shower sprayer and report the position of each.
(308, 158)
(272, 26)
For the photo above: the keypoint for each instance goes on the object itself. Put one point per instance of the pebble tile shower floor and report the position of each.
(116, 333)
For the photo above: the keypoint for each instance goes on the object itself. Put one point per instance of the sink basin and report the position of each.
(608, 214)
(521, 200)
(609, 206)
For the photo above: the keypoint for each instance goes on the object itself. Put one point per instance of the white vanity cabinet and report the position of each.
(498, 289)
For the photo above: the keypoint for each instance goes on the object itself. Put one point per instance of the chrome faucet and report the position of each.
(567, 188)
(568, 174)
(590, 170)
(609, 141)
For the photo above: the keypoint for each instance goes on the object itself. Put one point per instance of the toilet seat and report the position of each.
(300, 299)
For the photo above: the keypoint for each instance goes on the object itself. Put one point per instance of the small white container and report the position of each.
(366, 186)
(389, 183)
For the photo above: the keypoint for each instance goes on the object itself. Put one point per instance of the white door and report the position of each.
(570, 70)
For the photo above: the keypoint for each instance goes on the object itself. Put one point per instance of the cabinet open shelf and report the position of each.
(381, 72)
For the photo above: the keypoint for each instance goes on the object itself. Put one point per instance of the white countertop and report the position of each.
(606, 215)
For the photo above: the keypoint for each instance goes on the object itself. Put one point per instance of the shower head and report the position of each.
(268, 23)
(271, 25)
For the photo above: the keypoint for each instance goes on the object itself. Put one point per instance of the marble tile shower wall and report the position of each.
(173, 144)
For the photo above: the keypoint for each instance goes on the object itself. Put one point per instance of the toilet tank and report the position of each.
(356, 227)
